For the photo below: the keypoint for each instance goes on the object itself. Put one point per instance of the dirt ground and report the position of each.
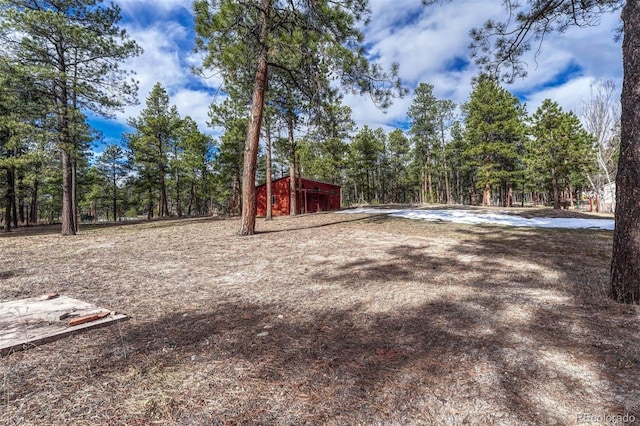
(325, 319)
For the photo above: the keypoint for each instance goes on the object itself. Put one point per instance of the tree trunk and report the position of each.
(625, 264)
(198, 207)
(21, 207)
(293, 205)
(299, 175)
(236, 200)
(571, 200)
(459, 196)
(163, 207)
(486, 195)
(423, 187)
(382, 194)
(429, 182)
(248, 221)
(427, 170)
(178, 197)
(355, 190)
(115, 197)
(150, 205)
(75, 146)
(607, 174)
(192, 194)
(268, 187)
(8, 197)
(447, 186)
(13, 203)
(67, 148)
(68, 216)
(395, 197)
(473, 194)
(33, 211)
(178, 194)
(22, 217)
(556, 194)
(74, 192)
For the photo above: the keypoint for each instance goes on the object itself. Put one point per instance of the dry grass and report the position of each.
(324, 319)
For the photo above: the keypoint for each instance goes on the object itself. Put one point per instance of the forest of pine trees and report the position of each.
(488, 151)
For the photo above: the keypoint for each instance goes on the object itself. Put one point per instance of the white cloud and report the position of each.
(166, 60)
(130, 7)
(195, 104)
(570, 96)
(161, 58)
(425, 41)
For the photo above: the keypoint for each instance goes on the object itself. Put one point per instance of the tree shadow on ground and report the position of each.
(529, 339)
(54, 229)
(532, 340)
(442, 360)
(300, 223)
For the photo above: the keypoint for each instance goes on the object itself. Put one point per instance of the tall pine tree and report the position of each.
(494, 130)
(560, 148)
(332, 45)
(154, 136)
(73, 49)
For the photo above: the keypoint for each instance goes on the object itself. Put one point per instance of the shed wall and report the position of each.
(312, 196)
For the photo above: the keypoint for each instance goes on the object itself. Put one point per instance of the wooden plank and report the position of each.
(87, 318)
(31, 322)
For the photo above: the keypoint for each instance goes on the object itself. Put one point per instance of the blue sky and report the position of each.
(429, 43)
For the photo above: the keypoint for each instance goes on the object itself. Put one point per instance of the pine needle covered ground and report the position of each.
(324, 319)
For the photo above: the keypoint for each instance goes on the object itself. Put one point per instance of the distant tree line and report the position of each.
(487, 151)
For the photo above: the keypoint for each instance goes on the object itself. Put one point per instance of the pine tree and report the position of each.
(499, 46)
(399, 149)
(197, 151)
(151, 142)
(112, 167)
(327, 142)
(494, 129)
(25, 142)
(72, 49)
(246, 39)
(463, 170)
(423, 129)
(444, 117)
(231, 116)
(363, 159)
(560, 148)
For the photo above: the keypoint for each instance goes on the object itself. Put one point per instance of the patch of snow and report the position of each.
(476, 218)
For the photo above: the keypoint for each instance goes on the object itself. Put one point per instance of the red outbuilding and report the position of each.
(311, 196)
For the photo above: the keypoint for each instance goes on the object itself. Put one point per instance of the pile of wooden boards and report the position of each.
(31, 322)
